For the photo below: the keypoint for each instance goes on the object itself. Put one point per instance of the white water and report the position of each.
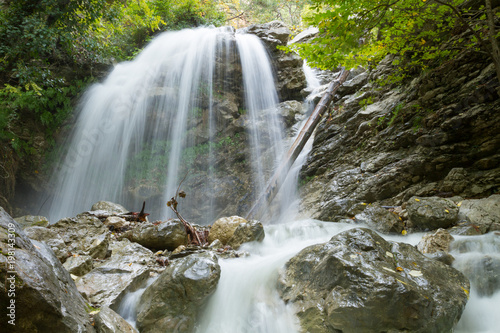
(134, 131)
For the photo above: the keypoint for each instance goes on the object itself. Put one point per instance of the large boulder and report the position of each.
(108, 321)
(251, 231)
(380, 219)
(482, 213)
(125, 271)
(109, 207)
(51, 238)
(171, 303)
(167, 235)
(359, 282)
(432, 212)
(435, 241)
(223, 229)
(35, 289)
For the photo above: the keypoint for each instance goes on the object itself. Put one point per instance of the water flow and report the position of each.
(156, 118)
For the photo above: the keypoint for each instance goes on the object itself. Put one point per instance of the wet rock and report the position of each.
(272, 34)
(435, 241)
(289, 111)
(482, 213)
(171, 303)
(46, 299)
(251, 231)
(380, 219)
(358, 282)
(108, 321)
(432, 212)
(354, 84)
(79, 265)
(32, 221)
(84, 234)
(223, 229)
(110, 207)
(125, 271)
(166, 235)
(116, 222)
(51, 238)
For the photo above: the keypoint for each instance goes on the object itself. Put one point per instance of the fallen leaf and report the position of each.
(404, 232)
(465, 291)
(399, 269)
(417, 199)
(389, 254)
(446, 210)
(415, 273)
(459, 204)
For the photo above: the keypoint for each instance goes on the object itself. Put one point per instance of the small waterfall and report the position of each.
(172, 112)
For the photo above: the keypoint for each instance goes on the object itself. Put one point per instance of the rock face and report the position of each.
(432, 213)
(358, 282)
(172, 302)
(436, 136)
(166, 235)
(41, 290)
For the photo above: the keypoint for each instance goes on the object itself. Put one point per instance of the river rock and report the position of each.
(173, 301)
(166, 235)
(432, 212)
(251, 231)
(125, 271)
(482, 213)
(436, 241)
(380, 219)
(359, 282)
(51, 238)
(223, 229)
(79, 265)
(108, 321)
(116, 222)
(31, 221)
(46, 299)
(84, 234)
(109, 207)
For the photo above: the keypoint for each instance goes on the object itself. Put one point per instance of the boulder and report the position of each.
(223, 229)
(31, 221)
(110, 207)
(79, 265)
(380, 219)
(116, 222)
(289, 110)
(173, 301)
(359, 282)
(166, 235)
(40, 292)
(51, 238)
(272, 34)
(251, 231)
(435, 241)
(84, 234)
(125, 271)
(482, 213)
(108, 321)
(432, 212)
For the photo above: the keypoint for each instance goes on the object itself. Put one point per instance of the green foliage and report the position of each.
(354, 33)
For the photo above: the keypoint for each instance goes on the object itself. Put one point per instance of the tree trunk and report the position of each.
(305, 133)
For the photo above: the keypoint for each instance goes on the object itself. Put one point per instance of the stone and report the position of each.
(436, 241)
(125, 271)
(289, 110)
(32, 221)
(166, 235)
(46, 299)
(482, 213)
(173, 301)
(108, 321)
(51, 238)
(359, 282)
(272, 34)
(432, 212)
(251, 231)
(79, 265)
(116, 222)
(110, 207)
(380, 219)
(223, 229)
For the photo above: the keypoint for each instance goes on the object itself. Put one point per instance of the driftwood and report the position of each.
(305, 133)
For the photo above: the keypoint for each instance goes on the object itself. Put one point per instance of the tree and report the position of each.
(421, 32)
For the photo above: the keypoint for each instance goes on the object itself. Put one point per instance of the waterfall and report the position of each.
(171, 114)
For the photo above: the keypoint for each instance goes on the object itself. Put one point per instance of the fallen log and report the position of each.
(305, 133)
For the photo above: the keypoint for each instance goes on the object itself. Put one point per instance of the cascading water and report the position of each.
(168, 114)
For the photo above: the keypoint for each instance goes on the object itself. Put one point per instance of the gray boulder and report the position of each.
(31, 221)
(110, 207)
(223, 229)
(251, 231)
(380, 219)
(359, 282)
(435, 241)
(125, 271)
(171, 303)
(35, 284)
(108, 321)
(79, 265)
(482, 213)
(432, 212)
(166, 235)
(51, 238)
